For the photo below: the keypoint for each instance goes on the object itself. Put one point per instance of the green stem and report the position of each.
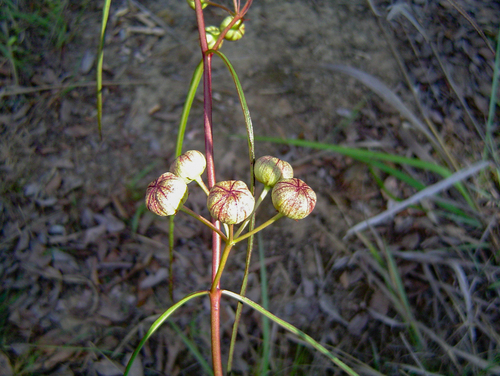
(244, 108)
(225, 255)
(256, 230)
(171, 257)
(203, 220)
(266, 338)
(257, 204)
(202, 185)
(243, 291)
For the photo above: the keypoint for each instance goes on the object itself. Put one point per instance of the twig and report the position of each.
(472, 22)
(28, 90)
(155, 18)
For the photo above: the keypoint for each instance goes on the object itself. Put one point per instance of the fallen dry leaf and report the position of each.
(5, 366)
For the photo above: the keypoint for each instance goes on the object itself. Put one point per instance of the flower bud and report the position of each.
(213, 33)
(293, 198)
(203, 3)
(165, 195)
(230, 202)
(237, 30)
(189, 166)
(269, 170)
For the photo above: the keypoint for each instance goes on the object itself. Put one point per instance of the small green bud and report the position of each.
(166, 195)
(213, 33)
(189, 166)
(237, 30)
(293, 198)
(230, 202)
(204, 4)
(269, 170)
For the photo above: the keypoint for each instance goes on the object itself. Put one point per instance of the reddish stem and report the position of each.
(215, 295)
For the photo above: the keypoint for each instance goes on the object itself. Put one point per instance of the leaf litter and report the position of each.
(81, 288)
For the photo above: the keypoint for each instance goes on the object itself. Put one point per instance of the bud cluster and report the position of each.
(230, 202)
(204, 4)
(166, 195)
(291, 196)
(212, 33)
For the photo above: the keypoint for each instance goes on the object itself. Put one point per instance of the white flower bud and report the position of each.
(293, 198)
(166, 195)
(269, 170)
(230, 202)
(189, 166)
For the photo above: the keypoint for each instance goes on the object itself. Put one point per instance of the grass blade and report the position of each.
(100, 59)
(193, 349)
(493, 105)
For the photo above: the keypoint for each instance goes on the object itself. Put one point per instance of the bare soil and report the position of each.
(84, 269)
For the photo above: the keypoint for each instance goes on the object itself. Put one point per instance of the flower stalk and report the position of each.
(257, 229)
(215, 294)
(205, 221)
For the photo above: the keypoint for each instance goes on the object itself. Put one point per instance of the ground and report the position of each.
(85, 269)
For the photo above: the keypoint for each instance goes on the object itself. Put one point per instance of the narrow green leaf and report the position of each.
(193, 86)
(398, 288)
(137, 216)
(459, 215)
(159, 322)
(246, 115)
(405, 178)
(292, 329)
(490, 142)
(100, 58)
